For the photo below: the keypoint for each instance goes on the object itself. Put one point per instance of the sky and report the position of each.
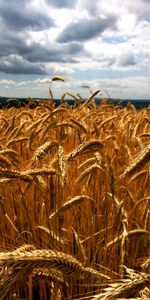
(101, 44)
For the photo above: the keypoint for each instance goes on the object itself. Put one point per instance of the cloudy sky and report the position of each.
(101, 44)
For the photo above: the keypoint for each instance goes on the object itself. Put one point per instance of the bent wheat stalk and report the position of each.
(69, 204)
(124, 289)
(129, 233)
(79, 125)
(24, 261)
(140, 159)
(14, 141)
(51, 234)
(58, 78)
(14, 174)
(84, 148)
(91, 97)
(36, 172)
(88, 171)
(44, 149)
(62, 164)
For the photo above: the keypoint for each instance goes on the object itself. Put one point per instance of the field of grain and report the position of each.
(74, 201)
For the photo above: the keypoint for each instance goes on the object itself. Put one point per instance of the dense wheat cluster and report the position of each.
(74, 201)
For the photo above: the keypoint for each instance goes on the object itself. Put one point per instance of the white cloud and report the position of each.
(8, 82)
(45, 80)
(22, 83)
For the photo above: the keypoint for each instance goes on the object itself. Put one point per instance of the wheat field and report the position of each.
(74, 201)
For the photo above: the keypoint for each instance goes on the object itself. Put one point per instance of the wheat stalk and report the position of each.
(124, 288)
(52, 234)
(128, 234)
(58, 78)
(94, 145)
(106, 121)
(88, 171)
(44, 149)
(23, 262)
(69, 204)
(14, 141)
(140, 159)
(5, 161)
(62, 163)
(8, 173)
(36, 172)
(79, 125)
(10, 152)
(25, 113)
(91, 97)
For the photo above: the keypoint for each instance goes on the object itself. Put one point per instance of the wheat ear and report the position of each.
(24, 261)
(44, 149)
(128, 234)
(5, 161)
(79, 125)
(51, 234)
(62, 164)
(140, 159)
(91, 97)
(14, 141)
(125, 288)
(69, 204)
(14, 174)
(88, 171)
(36, 172)
(94, 145)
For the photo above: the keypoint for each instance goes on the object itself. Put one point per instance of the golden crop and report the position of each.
(74, 201)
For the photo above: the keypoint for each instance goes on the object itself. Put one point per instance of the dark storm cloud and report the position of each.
(141, 9)
(128, 60)
(15, 65)
(10, 42)
(17, 20)
(62, 3)
(74, 48)
(19, 15)
(91, 7)
(105, 61)
(17, 56)
(83, 30)
(35, 52)
(53, 53)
